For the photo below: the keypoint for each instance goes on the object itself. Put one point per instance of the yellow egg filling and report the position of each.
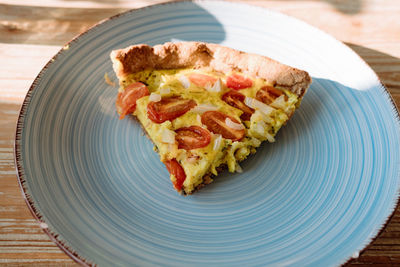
(196, 163)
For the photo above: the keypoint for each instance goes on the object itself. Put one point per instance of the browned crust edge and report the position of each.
(198, 54)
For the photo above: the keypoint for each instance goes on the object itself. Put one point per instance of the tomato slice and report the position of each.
(215, 122)
(268, 94)
(176, 169)
(237, 82)
(192, 137)
(126, 100)
(236, 99)
(202, 80)
(169, 108)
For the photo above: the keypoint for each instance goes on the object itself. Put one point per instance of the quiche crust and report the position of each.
(199, 55)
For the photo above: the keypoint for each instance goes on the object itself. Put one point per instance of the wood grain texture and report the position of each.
(31, 32)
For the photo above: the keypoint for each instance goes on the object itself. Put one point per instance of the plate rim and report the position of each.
(27, 100)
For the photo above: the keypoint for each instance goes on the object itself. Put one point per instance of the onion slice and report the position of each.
(184, 81)
(168, 136)
(233, 125)
(265, 118)
(270, 138)
(216, 87)
(155, 97)
(201, 108)
(217, 141)
(279, 102)
(255, 104)
(260, 127)
(198, 118)
(238, 168)
(163, 80)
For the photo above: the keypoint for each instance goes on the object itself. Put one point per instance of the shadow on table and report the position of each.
(57, 26)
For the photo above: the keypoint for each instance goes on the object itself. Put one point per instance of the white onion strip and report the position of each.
(260, 127)
(201, 108)
(217, 141)
(184, 81)
(168, 136)
(198, 118)
(270, 138)
(279, 103)
(155, 97)
(233, 125)
(216, 87)
(238, 168)
(255, 104)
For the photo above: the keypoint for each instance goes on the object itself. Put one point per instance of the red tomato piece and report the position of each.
(192, 137)
(215, 122)
(237, 82)
(126, 100)
(202, 80)
(268, 94)
(236, 99)
(169, 108)
(176, 169)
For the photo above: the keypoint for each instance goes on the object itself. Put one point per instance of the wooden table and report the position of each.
(32, 32)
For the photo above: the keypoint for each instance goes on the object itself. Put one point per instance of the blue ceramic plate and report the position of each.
(315, 197)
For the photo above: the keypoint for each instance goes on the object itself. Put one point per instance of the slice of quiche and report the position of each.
(205, 106)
